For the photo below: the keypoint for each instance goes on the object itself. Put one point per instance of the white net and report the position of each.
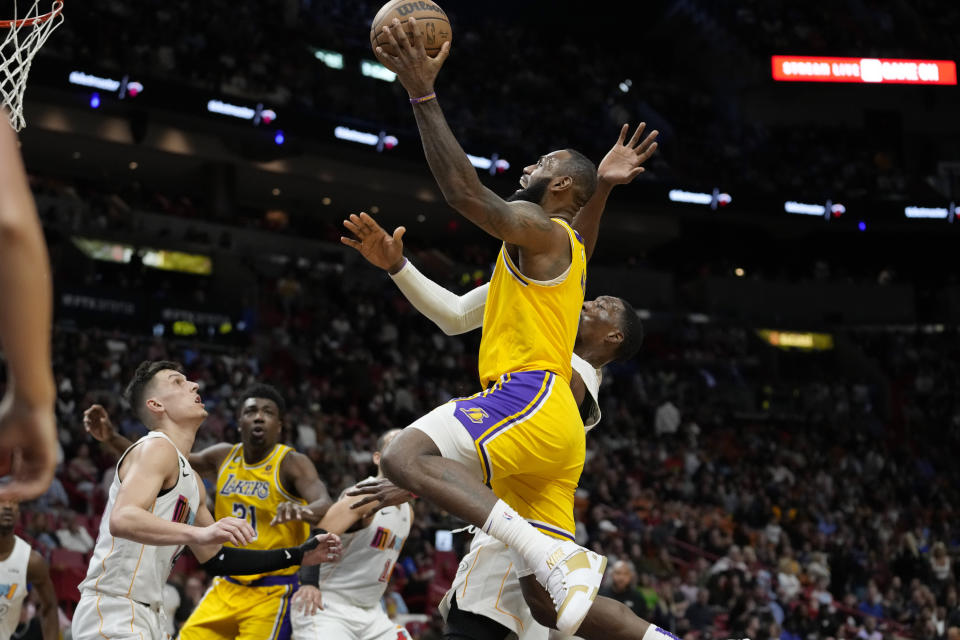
(22, 37)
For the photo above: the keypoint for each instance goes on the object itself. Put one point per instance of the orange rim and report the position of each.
(29, 22)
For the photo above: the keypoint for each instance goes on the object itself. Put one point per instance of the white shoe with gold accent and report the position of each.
(572, 576)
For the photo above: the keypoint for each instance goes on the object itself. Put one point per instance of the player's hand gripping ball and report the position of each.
(430, 17)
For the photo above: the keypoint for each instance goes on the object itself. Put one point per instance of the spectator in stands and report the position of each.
(40, 529)
(700, 614)
(623, 588)
(72, 535)
(55, 498)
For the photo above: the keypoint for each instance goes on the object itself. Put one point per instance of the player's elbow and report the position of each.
(120, 525)
(401, 469)
(450, 328)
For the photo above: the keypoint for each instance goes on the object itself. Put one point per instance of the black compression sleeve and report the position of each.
(310, 576)
(241, 562)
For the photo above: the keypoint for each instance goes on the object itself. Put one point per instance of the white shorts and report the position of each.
(340, 620)
(487, 584)
(101, 616)
(454, 442)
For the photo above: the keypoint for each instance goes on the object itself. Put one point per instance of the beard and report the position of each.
(533, 193)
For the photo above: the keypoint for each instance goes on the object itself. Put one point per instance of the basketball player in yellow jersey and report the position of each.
(265, 483)
(522, 436)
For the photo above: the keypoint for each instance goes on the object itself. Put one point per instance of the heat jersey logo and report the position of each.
(182, 512)
(385, 540)
(7, 590)
(257, 488)
(476, 414)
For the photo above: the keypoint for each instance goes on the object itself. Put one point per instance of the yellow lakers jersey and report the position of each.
(253, 493)
(529, 325)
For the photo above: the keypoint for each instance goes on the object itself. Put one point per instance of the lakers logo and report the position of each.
(476, 414)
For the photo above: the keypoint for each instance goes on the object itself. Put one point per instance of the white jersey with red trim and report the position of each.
(121, 567)
(369, 555)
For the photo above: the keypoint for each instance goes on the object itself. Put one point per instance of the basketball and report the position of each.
(432, 20)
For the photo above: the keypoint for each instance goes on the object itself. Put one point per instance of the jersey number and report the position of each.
(386, 571)
(247, 513)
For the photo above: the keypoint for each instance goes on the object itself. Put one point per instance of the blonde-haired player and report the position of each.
(485, 601)
(342, 601)
(156, 507)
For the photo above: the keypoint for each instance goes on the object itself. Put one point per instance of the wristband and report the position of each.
(426, 98)
(402, 265)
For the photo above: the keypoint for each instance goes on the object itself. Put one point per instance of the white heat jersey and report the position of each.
(591, 378)
(486, 582)
(368, 557)
(121, 567)
(13, 587)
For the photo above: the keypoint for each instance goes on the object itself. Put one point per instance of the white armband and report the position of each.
(452, 313)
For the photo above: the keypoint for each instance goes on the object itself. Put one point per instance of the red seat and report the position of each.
(67, 571)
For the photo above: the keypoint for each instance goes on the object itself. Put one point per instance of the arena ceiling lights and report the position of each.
(827, 211)
(948, 213)
(713, 200)
(863, 70)
(255, 115)
(123, 87)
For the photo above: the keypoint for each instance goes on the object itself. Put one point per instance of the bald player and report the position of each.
(486, 599)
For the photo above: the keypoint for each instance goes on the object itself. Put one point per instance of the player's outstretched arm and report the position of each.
(297, 472)
(97, 423)
(27, 425)
(219, 560)
(519, 223)
(38, 575)
(620, 166)
(452, 313)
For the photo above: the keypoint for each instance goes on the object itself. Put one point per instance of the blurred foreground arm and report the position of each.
(28, 434)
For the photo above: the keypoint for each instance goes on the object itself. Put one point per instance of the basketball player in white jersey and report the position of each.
(342, 601)
(485, 600)
(28, 431)
(156, 507)
(21, 566)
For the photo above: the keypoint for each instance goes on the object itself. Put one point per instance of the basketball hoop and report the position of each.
(20, 44)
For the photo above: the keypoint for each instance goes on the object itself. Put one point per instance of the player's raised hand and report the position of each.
(309, 599)
(28, 449)
(623, 162)
(380, 492)
(374, 243)
(293, 512)
(415, 69)
(325, 547)
(233, 530)
(97, 423)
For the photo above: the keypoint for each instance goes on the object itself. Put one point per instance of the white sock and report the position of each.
(506, 525)
(654, 632)
(519, 564)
